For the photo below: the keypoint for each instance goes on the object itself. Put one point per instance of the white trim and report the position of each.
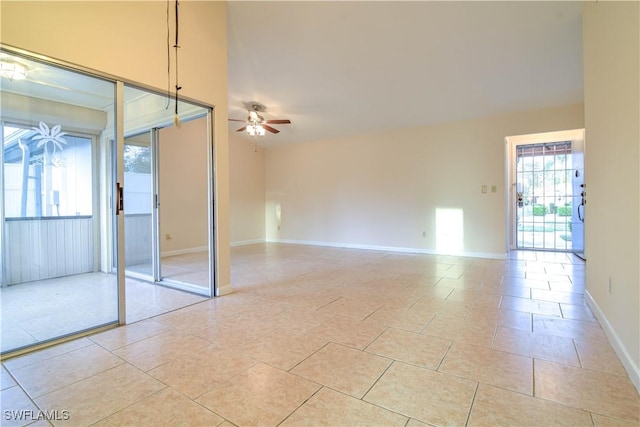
(247, 242)
(631, 367)
(185, 251)
(224, 290)
(389, 248)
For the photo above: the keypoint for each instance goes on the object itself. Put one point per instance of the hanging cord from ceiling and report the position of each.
(176, 118)
(168, 60)
(176, 46)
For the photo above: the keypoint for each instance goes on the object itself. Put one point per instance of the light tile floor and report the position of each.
(38, 311)
(339, 337)
(191, 269)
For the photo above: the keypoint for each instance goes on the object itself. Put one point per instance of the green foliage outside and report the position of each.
(563, 211)
(539, 210)
(137, 159)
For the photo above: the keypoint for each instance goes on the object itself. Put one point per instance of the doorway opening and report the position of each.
(546, 201)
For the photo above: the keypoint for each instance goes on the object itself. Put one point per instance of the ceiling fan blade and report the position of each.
(270, 129)
(241, 129)
(236, 120)
(278, 122)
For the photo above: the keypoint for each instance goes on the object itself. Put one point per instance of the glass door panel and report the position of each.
(544, 195)
(168, 192)
(54, 282)
(138, 199)
(184, 223)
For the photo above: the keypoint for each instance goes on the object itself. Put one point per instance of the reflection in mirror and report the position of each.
(167, 182)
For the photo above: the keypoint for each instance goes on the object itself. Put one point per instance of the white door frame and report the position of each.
(510, 146)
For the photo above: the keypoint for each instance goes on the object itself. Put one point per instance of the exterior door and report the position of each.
(547, 173)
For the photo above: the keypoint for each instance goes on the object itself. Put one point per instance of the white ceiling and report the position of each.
(339, 68)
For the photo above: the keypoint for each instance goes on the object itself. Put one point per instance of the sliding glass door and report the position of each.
(54, 215)
(168, 193)
(100, 185)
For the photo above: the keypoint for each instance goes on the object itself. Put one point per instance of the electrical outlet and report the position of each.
(494, 188)
(424, 234)
(278, 227)
(483, 189)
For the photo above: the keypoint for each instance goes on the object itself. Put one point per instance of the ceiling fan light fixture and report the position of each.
(13, 71)
(255, 130)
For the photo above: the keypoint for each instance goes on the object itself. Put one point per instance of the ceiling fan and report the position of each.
(256, 124)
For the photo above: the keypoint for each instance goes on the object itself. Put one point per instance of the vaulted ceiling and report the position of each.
(338, 68)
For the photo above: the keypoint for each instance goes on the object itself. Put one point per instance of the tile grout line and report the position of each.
(34, 397)
(309, 356)
(17, 384)
(533, 375)
(433, 316)
(167, 387)
(374, 339)
(446, 353)
(473, 401)
(575, 347)
(393, 361)
(302, 404)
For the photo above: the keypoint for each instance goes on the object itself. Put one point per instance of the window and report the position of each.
(47, 172)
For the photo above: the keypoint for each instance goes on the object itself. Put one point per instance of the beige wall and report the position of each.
(246, 189)
(183, 178)
(128, 39)
(385, 190)
(611, 40)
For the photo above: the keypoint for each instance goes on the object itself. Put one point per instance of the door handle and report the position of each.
(119, 198)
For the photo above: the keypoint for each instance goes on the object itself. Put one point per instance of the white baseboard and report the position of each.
(225, 290)
(490, 255)
(629, 365)
(185, 251)
(247, 242)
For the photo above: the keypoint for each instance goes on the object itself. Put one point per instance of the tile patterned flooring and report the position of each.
(47, 309)
(341, 337)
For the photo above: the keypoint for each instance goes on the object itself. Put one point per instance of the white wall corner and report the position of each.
(629, 364)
